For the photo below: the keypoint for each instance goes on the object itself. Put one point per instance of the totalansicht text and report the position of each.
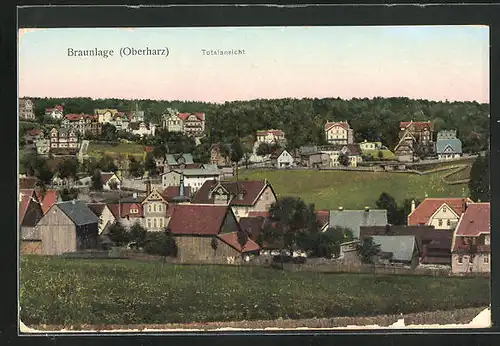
(123, 52)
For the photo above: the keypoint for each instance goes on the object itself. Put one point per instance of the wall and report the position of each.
(57, 232)
(445, 214)
(195, 182)
(200, 249)
(478, 265)
(170, 179)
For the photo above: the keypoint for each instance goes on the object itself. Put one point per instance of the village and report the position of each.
(204, 213)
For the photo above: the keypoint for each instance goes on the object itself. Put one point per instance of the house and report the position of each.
(270, 136)
(81, 123)
(26, 109)
(128, 211)
(405, 149)
(67, 227)
(365, 145)
(402, 249)
(315, 159)
(339, 133)
(105, 116)
(110, 181)
(448, 146)
(54, 113)
(30, 212)
(191, 124)
(120, 121)
(243, 196)
(471, 247)
(217, 157)
(208, 233)
(442, 213)
(32, 135)
(421, 130)
(177, 194)
(104, 213)
(284, 160)
(154, 207)
(354, 219)
(142, 129)
(42, 146)
(63, 139)
(136, 116)
(351, 151)
(174, 161)
(435, 246)
(194, 178)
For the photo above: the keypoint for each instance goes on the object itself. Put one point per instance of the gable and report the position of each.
(55, 216)
(444, 211)
(154, 196)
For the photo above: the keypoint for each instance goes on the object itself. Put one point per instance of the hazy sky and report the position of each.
(436, 63)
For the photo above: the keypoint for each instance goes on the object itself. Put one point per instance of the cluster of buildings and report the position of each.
(190, 124)
(452, 232)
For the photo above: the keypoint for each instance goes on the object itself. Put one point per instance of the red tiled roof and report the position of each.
(251, 190)
(475, 220)
(423, 212)
(323, 216)
(27, 182)
(461, 245)
(48, 200)
(75, 117)
(58, 107)
(173, 191)
(184, 116)
(343, 124)
(418, 125)
(125, 210)
(193, 219)
(148, 149)
(232, 240)
(25, 198)
(277, 133)
(34, 132)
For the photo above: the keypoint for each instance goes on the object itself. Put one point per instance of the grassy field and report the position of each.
(126, 149)
(460, 175)
(68, 292)
(387, 154)
(353, 189)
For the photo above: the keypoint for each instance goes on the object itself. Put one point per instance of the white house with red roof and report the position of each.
(55, 113)
(103, 212)
(471, 245)
(339, 132)
(110, 181)
(128, 211)
(105, 115)
(442, 213)
(270, 136)
(421, 130)
(191, 124)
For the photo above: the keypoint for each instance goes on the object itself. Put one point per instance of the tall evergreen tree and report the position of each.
(479, 183)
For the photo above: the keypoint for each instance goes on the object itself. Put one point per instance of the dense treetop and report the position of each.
(302, 120)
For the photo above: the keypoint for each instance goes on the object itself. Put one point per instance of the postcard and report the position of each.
(253, 178)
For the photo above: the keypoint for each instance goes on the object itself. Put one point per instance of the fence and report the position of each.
(373, 269)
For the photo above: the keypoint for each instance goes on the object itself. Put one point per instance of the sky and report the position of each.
(420, 62)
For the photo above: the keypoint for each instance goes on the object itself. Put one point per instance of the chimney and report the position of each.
(181, 186)
(148, 187)
(412, 205)
(367, 209)
(464, 205)
(341, 208)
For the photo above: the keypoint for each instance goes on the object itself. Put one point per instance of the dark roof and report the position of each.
(232, 240)
(78, 212)
(193, 219)
(252, 225)
(401, 246)
(250, 190)
(354, 219)
(27, 182)
(97, 208)
(436, 239)
(172, 192)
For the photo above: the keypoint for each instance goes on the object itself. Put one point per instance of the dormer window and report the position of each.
(444, 209)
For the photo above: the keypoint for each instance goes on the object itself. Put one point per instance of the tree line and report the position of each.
(303, 120)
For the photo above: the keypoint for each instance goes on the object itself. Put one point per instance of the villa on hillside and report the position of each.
(412, 136)
(448, 146)
(54, 113)
(270, 136)
(26, 109)
(191, 124)
(339, 133)
(442, 213)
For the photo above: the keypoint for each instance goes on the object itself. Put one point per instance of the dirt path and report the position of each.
(459, 316)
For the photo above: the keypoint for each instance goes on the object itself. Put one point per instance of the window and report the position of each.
(471, 260)
(460, 260)
(154, 207)
(440, 222)
(448, 222)
(486, 259)
(154, 222)
(162, 222)
(149, 223)
(149, 207)
(444, 209)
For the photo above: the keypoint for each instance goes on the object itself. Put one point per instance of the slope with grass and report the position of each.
(354, 189)
(124, 149)
(76, 291)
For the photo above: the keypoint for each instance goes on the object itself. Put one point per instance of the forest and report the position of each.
(302, 120)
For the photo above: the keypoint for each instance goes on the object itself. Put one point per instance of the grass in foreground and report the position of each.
(354, 190)
(71, 292)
